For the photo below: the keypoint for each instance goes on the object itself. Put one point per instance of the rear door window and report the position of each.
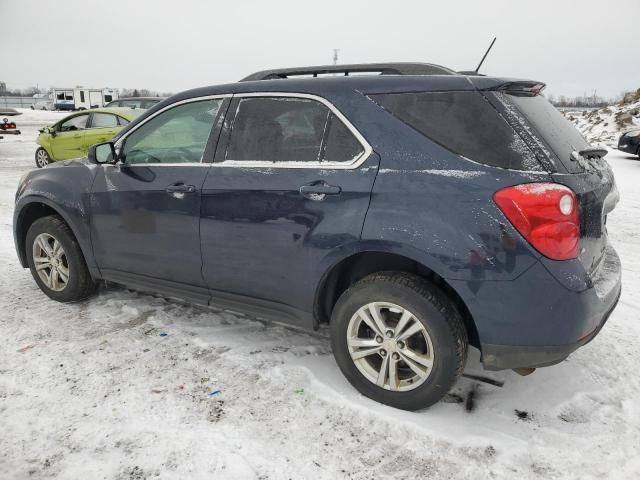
(464, 123)
(288, 129)
(277, 129)
(341, 145)
(103, 120)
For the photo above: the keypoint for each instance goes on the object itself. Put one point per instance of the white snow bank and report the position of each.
(604, 126)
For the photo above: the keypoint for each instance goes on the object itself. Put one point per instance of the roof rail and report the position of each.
(346, 70)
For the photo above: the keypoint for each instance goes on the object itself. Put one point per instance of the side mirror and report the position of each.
(103, 153)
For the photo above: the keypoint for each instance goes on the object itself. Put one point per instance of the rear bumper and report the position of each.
(502, 357)
(540, 318)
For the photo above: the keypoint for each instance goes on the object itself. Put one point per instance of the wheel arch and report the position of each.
(344, 273)
(31, 210)
(48, 150)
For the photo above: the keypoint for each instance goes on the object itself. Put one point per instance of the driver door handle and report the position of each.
(319, 188)
(180, 188)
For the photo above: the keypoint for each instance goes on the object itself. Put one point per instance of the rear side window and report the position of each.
(103, 120)
(464, 123)
(283, 129)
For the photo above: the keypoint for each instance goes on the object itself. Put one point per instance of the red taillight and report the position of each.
(546, 215)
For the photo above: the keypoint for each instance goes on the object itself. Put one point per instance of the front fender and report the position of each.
(64, 189)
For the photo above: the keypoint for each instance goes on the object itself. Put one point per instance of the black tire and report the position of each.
(432, 308)
(42, 158)
(80, 284)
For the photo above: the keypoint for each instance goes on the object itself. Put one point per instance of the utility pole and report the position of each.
(335, 56)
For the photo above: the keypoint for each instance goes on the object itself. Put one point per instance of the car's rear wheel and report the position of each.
(56, 261)
(42, 158)
(398, 339)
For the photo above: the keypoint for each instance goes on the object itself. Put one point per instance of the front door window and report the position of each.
(178, 135)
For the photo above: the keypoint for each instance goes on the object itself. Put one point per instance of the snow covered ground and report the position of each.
(604, 126)
(123, 386)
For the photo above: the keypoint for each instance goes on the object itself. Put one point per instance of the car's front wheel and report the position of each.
(42, 158)
(398, 339)
(56, 261)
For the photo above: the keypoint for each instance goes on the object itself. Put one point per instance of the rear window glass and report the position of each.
(551, 126)
(464, 123)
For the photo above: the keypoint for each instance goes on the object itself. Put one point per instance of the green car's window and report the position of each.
(123, 121)
(79, 122)
(103, 120)
(178, 135)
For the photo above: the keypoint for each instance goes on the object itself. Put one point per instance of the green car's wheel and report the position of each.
(42, 158)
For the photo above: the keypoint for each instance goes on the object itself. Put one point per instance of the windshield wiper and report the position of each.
(593, 152)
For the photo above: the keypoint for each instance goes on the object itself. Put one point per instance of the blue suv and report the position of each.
(412, 209)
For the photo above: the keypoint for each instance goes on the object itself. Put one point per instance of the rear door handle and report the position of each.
(319, 188)
(180, 188)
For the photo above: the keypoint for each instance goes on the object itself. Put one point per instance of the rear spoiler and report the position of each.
(522, 88)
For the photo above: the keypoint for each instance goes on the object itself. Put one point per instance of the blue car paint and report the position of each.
(135, 222)
(63, 187)
(247, 238)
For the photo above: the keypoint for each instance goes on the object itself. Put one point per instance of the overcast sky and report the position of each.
(172, 45)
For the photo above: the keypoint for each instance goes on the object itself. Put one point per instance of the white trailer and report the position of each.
(81, 98)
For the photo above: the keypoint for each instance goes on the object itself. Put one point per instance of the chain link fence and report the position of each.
(15, 102)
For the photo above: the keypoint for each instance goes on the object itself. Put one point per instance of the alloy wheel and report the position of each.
(50, 261)
(390, 346)
(42, 158)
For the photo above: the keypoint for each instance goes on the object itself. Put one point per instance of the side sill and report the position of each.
(256, 307)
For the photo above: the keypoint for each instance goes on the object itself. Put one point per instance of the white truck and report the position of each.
(78, 98)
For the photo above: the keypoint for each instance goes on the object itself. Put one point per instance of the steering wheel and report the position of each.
(187, 154)
(148, 158)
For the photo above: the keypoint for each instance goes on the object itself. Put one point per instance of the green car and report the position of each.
(72, 136)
